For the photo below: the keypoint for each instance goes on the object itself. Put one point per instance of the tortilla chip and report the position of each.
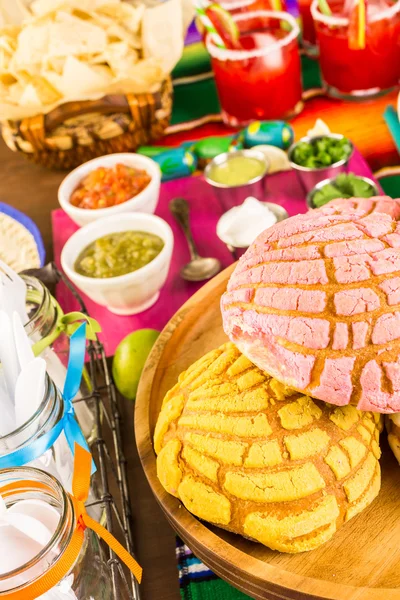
(80, 78)
(54, 63)
(7, 80)
(72, 36)
(13, 12)
(48, 94)
(145, 76)
(15, 91)
(4, 61)
(162, 33)
(41, 8)
(121, 58)
(45, 7)
(125, 14)
(117, 32)
(30, 97)
(3, 89)
(54, 79)
(32, 45)
(8, 44)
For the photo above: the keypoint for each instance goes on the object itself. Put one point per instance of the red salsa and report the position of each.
(105, 187)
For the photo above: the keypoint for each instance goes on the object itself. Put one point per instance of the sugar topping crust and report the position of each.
(315, 302)
(249, 454)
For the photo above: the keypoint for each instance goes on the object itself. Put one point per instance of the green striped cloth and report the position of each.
(197, 582)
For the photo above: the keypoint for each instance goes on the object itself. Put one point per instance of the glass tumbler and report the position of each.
(262, 80)
(359, 72)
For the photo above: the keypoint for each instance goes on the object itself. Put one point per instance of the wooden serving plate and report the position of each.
(361, 562)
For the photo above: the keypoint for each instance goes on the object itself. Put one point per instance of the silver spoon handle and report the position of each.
(179, 207)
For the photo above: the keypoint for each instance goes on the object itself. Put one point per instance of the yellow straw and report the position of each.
(361, 24)
(276, 4)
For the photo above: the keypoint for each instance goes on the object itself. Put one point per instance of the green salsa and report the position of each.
(118, 254)
(237, 170)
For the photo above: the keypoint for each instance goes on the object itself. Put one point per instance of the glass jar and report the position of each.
(89, 577)
(42, 311)
(58, 461)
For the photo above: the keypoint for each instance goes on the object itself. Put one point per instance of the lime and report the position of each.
(129, 359)
(324, 7)
(224, 24)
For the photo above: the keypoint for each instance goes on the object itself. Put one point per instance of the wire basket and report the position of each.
(107, 449)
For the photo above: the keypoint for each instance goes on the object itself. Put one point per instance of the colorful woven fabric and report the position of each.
(197, 582)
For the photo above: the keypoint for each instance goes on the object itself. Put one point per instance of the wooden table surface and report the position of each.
(33, 190)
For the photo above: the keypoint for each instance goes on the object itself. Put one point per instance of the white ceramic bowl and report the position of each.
(127, 294)
(146, 201)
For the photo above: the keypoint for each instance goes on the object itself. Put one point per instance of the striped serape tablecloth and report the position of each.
(197, 582)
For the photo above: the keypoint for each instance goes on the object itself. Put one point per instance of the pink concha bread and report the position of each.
(315, 302)
(364, 206)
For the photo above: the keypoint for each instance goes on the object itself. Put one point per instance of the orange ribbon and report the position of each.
(80, 490)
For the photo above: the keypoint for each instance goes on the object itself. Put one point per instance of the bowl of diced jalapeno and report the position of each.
(321, 157)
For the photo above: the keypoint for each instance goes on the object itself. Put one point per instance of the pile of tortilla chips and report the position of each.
(56, 51)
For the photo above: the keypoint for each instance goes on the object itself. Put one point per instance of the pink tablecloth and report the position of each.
(283, 188)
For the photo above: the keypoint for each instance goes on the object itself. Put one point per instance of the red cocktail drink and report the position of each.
(307, 25)
(262, 80)
(362, 72)
(236, 7)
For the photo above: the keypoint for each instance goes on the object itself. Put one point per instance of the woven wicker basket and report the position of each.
(78, 131)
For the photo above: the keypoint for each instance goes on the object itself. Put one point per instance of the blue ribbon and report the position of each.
(68, 422)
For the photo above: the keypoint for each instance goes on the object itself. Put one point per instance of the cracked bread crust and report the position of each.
(365, 206)
(315, 302)
(246, 453)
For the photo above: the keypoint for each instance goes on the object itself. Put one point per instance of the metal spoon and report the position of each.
(198, 268)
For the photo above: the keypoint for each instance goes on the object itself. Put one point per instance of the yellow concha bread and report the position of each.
(244, 452)
(393, 429)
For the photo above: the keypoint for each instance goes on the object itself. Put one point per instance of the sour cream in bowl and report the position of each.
(239, 226)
